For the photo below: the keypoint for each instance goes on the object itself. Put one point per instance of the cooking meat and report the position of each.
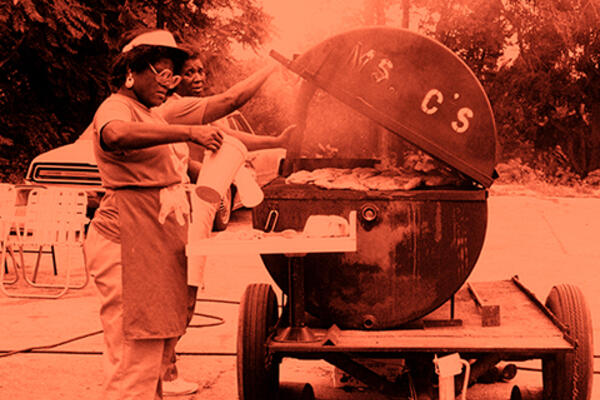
(386, 182)
(363, 173)
(320, 176)
(346, 181)
(362, 179)
(419, 171)
(300, 177)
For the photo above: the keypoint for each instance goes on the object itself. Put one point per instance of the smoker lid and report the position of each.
(413, 86)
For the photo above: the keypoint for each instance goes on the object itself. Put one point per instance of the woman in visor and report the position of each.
(135, 247)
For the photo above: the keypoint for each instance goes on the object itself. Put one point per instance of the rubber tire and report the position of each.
(257, 373)
(223, 214)
(569, 376)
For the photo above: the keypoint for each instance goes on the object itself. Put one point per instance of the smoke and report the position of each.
(332, 128)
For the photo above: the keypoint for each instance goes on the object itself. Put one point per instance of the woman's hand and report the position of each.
(286, 135)
(207, 136)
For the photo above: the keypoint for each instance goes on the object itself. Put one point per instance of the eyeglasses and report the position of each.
(165, 77)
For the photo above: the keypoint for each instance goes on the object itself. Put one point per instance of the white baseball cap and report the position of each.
(154, 38)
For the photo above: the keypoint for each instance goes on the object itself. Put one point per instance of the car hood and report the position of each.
(78, 152)
(265, 163)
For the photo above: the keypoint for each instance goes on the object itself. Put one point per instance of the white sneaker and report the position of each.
(178, 387)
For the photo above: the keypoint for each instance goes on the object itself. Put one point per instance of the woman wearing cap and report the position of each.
(135, 247)
(136, 241)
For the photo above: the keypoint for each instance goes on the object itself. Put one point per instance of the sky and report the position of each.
(300, 24)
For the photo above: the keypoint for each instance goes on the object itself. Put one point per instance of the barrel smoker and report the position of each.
(398, 291)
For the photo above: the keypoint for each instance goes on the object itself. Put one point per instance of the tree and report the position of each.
(557, 75)
(55, 56)
(546, 96)
(538, 61)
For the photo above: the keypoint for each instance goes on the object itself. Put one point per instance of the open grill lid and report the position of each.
(414, 87)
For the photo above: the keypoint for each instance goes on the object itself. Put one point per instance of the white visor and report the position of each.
(154, 38)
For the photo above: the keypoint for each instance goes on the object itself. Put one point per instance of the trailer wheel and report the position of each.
(257, 371)
(569, 376)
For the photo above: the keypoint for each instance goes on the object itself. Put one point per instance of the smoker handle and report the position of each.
(270, 226)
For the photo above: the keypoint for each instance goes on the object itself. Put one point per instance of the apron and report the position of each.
(154, 276)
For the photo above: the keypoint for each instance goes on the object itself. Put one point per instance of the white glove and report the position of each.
(173, 199)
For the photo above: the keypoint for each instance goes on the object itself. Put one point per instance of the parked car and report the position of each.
(74, 165)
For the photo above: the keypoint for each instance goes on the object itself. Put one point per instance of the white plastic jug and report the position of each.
(250, 192)
(200, 228)
(219, 168)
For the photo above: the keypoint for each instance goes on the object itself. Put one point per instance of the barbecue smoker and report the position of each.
(393, 288)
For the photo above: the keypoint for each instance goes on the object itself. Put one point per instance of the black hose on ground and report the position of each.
(46, 349)
(39, 349)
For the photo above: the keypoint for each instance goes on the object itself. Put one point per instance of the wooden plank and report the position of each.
(402, 343)
(524, 329)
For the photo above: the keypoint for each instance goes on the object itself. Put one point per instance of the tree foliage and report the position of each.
(557, 76)
(55, 56)
(539, 63)
(537, 59)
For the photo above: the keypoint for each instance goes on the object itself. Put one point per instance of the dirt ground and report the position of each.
(545, 240)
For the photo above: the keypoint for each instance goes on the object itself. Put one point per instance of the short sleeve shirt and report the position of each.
(185, 110)
(156, 166)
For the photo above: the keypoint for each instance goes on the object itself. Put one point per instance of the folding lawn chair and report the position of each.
(8, 198)
(53, 217)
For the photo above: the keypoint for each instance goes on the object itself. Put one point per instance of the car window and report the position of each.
(242, 124)
(231, 121)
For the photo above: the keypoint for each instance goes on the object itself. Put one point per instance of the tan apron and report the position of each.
(155, 292)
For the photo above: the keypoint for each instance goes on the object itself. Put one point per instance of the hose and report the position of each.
(46, 349)
(39, 349)
(596, 356)
(540, 370)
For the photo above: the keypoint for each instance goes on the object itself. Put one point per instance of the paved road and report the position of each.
(545, 241)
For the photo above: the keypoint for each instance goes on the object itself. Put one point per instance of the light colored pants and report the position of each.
(203, 215)
(133, 368)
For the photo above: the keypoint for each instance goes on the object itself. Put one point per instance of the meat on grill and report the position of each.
(365, 179)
